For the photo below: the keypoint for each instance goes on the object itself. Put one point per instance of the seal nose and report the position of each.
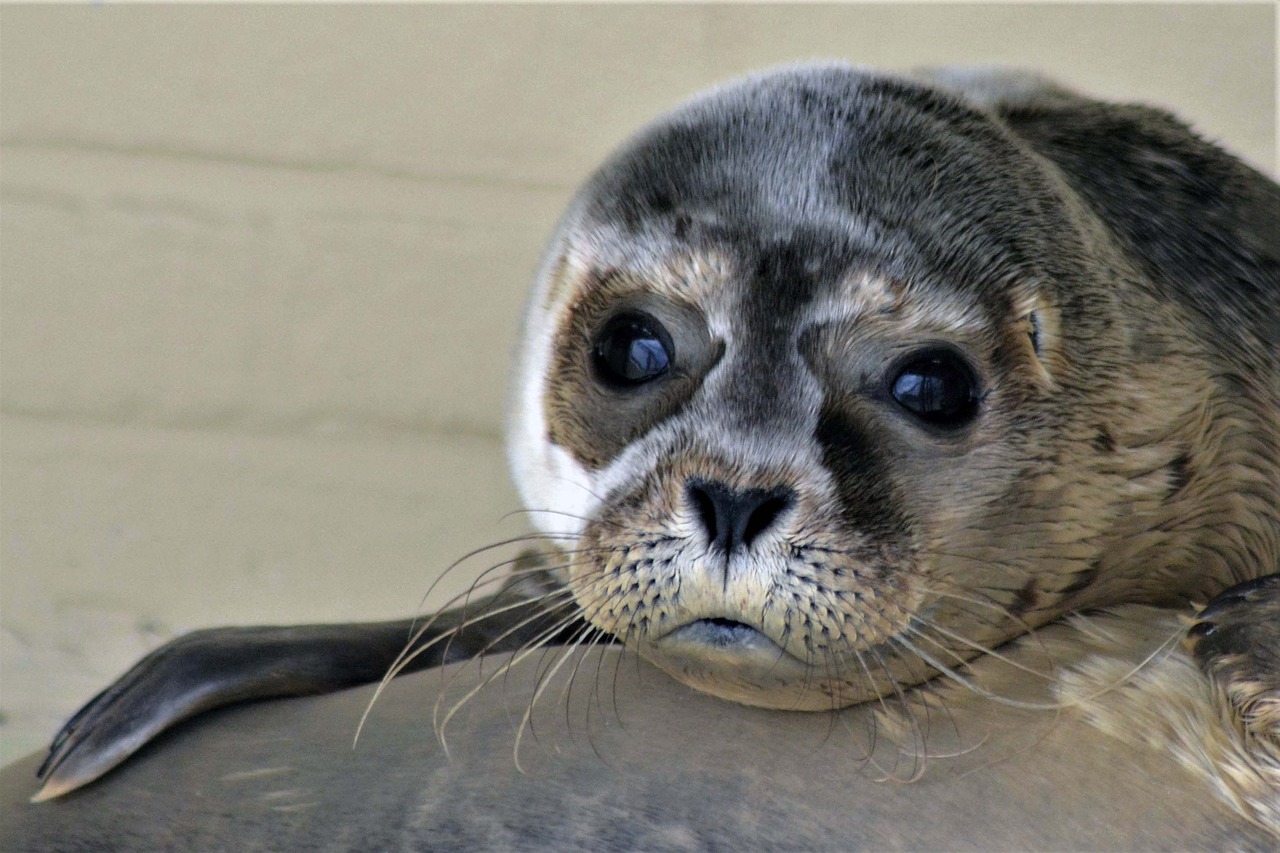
(735, 517)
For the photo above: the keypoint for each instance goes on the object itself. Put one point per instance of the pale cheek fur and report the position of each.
(547, 477)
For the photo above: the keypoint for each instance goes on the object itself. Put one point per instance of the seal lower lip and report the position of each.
(719, 633)
(731, 654)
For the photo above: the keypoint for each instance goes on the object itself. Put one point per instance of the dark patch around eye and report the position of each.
(593, 419)
(857, 465)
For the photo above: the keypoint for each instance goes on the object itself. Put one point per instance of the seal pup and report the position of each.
(833, 381)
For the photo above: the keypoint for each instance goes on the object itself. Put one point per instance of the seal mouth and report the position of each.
(719, 637)
(736, 661)
(719, 633)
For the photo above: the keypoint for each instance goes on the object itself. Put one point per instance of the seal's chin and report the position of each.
(735, 661)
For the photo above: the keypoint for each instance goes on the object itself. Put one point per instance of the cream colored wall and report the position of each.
(261, 270)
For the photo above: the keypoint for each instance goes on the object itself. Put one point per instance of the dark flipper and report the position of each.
(222, 666)
(1236, 641)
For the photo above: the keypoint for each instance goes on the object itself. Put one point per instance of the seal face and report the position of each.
(833, 381)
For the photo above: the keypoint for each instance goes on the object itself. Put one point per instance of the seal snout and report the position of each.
(735, 518)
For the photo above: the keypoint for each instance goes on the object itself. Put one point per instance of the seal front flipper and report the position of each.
(215, 667)
(1236, 641)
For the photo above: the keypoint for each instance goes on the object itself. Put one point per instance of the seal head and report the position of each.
(831, 381)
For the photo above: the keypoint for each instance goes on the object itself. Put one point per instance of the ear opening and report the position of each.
(1038, 320)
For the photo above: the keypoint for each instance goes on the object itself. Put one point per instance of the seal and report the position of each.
(834, 381)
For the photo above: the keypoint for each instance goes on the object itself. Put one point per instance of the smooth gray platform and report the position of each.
(669, 769)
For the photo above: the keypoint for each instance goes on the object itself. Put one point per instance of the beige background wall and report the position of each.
(261, 271)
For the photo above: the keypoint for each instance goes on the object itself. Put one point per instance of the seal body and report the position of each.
(833, 381)
(683, 772)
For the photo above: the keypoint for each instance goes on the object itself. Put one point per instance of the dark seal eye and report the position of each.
(938, 388)
(630, 350)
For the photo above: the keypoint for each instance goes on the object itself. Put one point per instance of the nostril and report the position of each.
(762, 518)
(705, 506)
(733, 518)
